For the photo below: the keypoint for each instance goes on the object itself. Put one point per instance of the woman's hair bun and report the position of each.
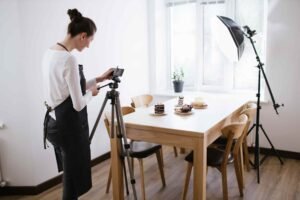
(74, 14)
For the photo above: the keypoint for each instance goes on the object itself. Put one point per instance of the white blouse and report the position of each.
(61, 79)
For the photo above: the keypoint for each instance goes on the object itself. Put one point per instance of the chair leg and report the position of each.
(187, 180)
(162, 156)
(132, 164)
(108, 181)
(142, 179)
(175, 151)
(182, 150)
(246, 154)
(224, 182)
(238, 174)
(241, 159)
(160, 166)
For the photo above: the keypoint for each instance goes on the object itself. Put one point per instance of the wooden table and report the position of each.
(195, 131)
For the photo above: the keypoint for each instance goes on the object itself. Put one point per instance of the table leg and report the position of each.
(117, 173)
(200, 169)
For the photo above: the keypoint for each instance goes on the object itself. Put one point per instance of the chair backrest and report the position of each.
(107, 117)
(250, 111)
(234, 131)
(141, 100)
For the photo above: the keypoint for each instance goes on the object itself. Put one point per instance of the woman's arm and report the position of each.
(73, 80)
(105, 76)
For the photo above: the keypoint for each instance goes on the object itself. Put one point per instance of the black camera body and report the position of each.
(117, 72)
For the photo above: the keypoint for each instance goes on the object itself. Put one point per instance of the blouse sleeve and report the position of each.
(91, 83)
(73, 81)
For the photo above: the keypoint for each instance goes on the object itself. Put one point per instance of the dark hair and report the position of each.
(80, 24)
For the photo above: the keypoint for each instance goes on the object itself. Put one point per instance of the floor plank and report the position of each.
(277, 181)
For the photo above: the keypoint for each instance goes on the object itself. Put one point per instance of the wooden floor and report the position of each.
(278, 182)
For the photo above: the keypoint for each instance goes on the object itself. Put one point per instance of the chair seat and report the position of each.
(141, 149)
(221, 141)
(214, 157)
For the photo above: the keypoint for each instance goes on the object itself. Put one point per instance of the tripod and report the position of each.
(113, 95)
(257, 124)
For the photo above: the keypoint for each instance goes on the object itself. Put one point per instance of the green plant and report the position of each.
(178, 75)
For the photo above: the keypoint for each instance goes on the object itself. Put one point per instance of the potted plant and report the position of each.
(177, 77)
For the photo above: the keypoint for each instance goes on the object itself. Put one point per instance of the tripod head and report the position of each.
(117, 72)
(112, 85)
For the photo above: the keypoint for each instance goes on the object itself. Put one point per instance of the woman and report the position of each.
(67, 94)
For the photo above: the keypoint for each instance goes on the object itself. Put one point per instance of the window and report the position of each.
(189, 43)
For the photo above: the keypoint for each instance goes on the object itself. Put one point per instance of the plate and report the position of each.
(183, 113)
(158, 114)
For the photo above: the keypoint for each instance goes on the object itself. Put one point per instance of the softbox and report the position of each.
(229, 36)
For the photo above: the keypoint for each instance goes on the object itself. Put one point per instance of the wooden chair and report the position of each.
(219, 158)
(141, 101)
(249, 110)
(139, 150)
(145, 101)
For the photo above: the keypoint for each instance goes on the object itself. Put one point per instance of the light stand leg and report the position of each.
(256, 154)
(273, 148)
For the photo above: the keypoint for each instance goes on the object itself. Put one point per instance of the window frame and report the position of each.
(229, 84)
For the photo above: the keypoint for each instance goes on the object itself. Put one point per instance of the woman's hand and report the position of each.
(105, 76)
(94, 90)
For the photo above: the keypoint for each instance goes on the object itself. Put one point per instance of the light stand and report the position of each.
(233, 46)
(113, 95)
(257, 162)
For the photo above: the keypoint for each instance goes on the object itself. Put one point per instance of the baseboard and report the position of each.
(284, 154)
(34, 190)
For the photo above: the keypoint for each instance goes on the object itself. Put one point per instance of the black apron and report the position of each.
(69, 134)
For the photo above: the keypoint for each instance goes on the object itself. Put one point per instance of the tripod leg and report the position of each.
(126, 145)
(125, 176)
(98, 118)
(273, 148)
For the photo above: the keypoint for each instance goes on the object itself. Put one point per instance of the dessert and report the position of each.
(199, 103)
(186, 108)
(159, 108)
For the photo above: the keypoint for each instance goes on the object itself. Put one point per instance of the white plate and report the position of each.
(158, 114)
(183, 113)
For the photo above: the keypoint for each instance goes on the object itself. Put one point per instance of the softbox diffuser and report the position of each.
(229, 36)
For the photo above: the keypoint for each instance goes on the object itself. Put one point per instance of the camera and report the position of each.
(117, 72)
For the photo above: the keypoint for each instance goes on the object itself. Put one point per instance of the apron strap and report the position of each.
(46, 120)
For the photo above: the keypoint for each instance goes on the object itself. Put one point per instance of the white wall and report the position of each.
(283, 69)
(27, 29)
